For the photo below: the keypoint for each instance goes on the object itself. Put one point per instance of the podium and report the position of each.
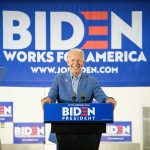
(78, 117)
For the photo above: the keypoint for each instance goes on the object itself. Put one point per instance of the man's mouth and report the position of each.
(75, 67)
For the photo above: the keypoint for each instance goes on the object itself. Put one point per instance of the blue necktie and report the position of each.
(75, 82)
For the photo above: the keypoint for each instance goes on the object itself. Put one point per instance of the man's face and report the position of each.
(75, 62)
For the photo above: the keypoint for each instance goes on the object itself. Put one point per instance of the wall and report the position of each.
(27, 108)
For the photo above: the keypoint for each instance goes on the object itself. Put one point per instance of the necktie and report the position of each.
(75, 84)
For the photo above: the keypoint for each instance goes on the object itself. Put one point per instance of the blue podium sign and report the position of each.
(78, 112)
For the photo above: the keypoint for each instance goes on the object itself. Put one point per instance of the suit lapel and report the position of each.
(81, 86)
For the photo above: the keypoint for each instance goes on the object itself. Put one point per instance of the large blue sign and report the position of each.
(118, 132)
(29, 133)
(36, 36)
(6, 111)
(78, 113)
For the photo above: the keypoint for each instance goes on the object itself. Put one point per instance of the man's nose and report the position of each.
(76, 61)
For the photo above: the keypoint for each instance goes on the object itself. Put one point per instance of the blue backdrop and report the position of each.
(36, 35)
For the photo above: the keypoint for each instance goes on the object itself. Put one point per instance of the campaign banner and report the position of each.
(118, 132)
(29, 133)
(6, 111)
(2, 73)
(36, 36)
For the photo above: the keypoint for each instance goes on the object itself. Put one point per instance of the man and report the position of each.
(76, 87)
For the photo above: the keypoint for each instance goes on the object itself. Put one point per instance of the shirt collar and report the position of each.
(72, 76)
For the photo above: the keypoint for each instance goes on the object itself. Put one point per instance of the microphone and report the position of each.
(83, 98)
(73, 97)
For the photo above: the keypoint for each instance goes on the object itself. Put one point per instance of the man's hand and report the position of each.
(111, 100)
(45, 100)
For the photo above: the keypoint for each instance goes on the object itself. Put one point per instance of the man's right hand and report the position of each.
(44, 101)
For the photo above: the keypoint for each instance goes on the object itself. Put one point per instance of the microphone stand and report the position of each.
(73, 97)
(83, 98)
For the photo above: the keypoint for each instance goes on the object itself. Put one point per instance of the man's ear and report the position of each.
(83, 63)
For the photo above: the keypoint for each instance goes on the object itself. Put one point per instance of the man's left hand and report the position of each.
(111, 100)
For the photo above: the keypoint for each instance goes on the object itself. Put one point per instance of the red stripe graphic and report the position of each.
(34, 130)
(95, 15)
(95, 45)
(84, 111)
(94, 30)
(83, 107)
(120, 129)
(1, 109)
(98, 30)
(83, 115)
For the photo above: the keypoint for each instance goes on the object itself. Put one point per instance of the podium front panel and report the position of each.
(59, 113)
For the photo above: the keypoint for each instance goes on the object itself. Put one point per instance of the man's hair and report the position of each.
(76, 50)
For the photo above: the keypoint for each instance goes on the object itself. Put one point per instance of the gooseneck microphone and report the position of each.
(74, 97)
